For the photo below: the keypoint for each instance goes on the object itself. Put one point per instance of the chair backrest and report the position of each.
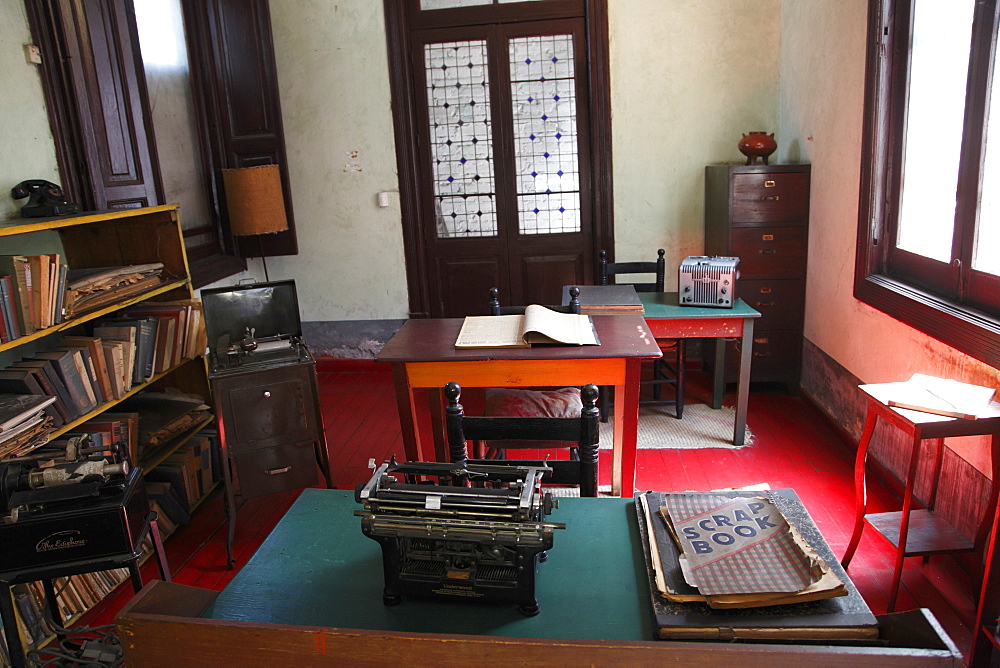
(580, 432)
(496, 309)
(658, 268)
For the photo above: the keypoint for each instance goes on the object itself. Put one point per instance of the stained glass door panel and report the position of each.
(503, 165)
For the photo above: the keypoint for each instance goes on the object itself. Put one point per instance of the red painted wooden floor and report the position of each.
(793, 447)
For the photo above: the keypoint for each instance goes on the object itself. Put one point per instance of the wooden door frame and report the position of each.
(398, 22)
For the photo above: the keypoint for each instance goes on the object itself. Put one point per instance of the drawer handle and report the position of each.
(762, 340)
(771, 303)
(284, 469)
(762, 354)
(767, 251)
(267, 394)
(770, 198)
(769, 183)
(765, 291)
(767, 237)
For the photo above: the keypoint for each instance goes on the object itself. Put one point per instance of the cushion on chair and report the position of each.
(503, 402)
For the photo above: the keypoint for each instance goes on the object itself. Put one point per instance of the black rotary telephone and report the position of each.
(44, 199)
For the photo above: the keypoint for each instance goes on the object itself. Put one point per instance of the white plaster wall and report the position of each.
(822, 104)
(26, 147)
(688, 78)
(333, 76)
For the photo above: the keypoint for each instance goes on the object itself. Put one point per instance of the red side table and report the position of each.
(918, 532)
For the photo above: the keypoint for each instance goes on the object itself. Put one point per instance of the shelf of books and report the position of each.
(101, 351)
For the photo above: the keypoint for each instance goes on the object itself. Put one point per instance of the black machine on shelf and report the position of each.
(66, 513)
(82, 504)
(479, 542)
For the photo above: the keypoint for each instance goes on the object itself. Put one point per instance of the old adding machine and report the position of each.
(473, 532)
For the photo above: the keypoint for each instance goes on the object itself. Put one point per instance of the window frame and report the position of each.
(948, 302)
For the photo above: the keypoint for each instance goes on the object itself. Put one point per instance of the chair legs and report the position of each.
(667, 373)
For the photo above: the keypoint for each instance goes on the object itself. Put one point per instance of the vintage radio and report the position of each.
(253, 325)
(708, 280)
(477, 542)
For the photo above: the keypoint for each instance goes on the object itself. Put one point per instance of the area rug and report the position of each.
(702, 427)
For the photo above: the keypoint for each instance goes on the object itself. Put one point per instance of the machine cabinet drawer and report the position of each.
(267, 408)
(781, 302)
(277, 469)
(770, 252)
(770, 198)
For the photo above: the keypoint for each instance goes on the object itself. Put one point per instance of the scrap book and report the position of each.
(830, 608)
(538, 325)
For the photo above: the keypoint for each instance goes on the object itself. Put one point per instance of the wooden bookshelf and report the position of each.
(110, 239)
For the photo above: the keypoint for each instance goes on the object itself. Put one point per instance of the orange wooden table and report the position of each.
(423, 358)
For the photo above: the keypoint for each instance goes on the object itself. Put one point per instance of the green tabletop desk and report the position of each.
(312, 595)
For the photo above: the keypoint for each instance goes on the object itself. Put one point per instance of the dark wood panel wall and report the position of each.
(235, 91)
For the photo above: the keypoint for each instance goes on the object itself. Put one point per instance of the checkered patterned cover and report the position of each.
(737, 546)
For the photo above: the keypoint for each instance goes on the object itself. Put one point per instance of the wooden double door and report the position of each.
(502, 153)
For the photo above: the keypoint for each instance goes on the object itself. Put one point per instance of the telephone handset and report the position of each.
(44, 199)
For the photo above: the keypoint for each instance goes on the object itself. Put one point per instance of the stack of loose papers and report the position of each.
(737, 553)
(938, 396)
(24, 425)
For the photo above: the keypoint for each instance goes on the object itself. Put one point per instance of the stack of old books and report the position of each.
(731, 565)
(24, 425)
(607, 299)
(163, 417)
(90, 289)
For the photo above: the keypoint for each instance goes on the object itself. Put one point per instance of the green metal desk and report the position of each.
(312, 596)
(318, 569)
(668, 320)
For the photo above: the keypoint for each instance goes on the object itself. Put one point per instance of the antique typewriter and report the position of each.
(79, 504)
(253, 325)
(467, 533)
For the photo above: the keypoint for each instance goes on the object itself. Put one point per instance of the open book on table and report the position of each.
(942, 396)
(538, 325)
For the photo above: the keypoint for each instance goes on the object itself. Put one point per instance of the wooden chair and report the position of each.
(665, 370)
(509, 402)
(580, 432)
(497, 309)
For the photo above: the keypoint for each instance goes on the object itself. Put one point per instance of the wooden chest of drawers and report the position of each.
(760, 214)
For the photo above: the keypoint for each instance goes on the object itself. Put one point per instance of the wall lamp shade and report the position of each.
(255, 200)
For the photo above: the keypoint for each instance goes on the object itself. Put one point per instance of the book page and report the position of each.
(543, 325)
(492, 331)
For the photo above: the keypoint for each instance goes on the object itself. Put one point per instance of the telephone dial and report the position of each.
(44, 199)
